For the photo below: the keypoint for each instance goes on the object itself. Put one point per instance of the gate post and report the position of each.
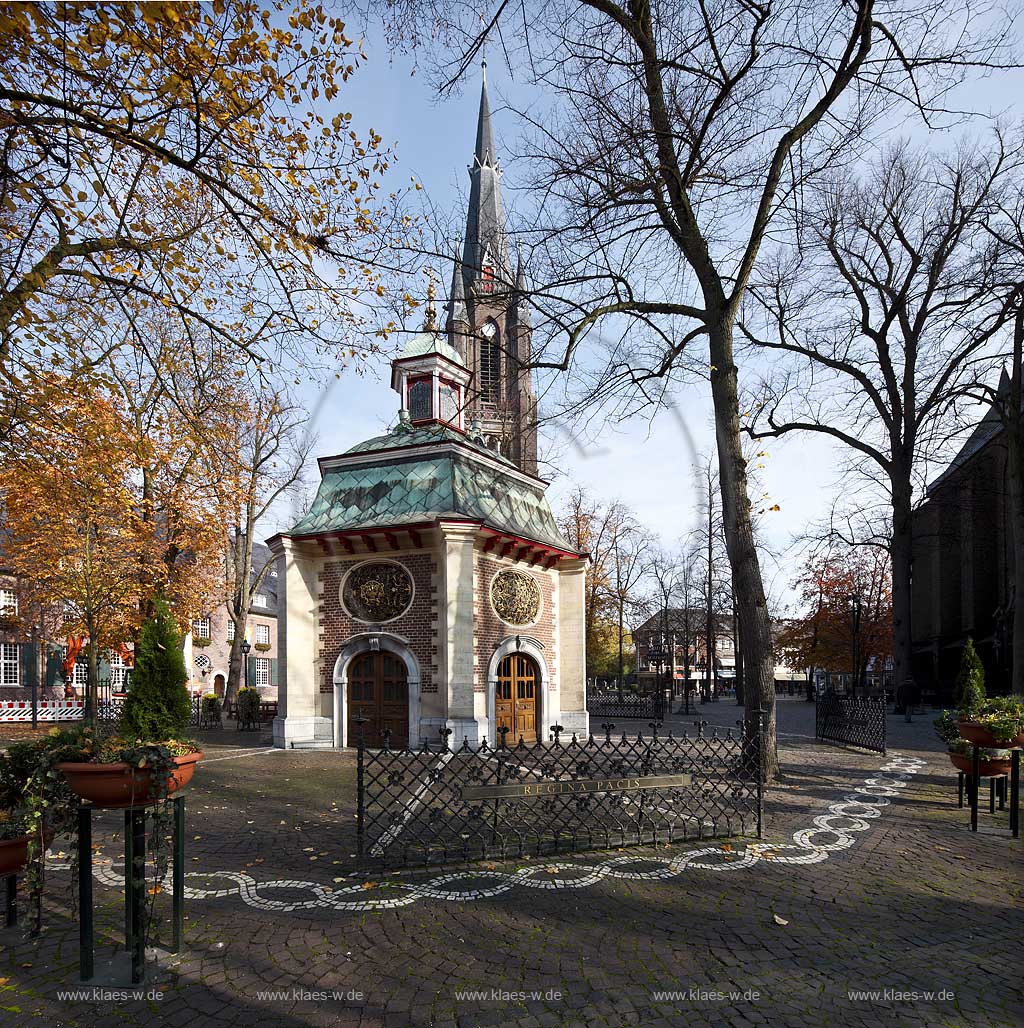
(760, 772)
(360, 791)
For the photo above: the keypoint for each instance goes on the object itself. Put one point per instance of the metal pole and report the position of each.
(127, 878)
(34, 668)
(360, 792)
(1015, 794)
(11, 900)
(138, 894)
(178, 874)
(85, 932)
(975, 773)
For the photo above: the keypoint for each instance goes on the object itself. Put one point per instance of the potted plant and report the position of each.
(35, 805)
(996, 722)
(149, 758)
(117, 771)
(16, 769)
(992, 762)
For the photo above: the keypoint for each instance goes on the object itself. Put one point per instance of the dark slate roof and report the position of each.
(485, 219)
(440, 473)
(986, 430)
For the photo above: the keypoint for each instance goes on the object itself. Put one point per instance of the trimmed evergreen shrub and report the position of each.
(969, 688)
(248, 703)
(157, 706)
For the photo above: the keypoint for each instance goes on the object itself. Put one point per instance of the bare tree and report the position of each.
(271, 453)
(884, 313)
(680, 132)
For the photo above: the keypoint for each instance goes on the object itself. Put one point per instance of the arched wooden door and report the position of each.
(517, 698)
(218, 685)
(378, 691)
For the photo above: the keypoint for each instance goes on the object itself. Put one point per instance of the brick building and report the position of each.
(208, 645)
(681, 636)
(963, 564)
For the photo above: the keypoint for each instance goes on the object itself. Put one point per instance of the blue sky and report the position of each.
(646, 464)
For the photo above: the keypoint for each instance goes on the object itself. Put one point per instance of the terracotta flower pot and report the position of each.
(981, 736)
(121, 785)
(986, 768)
(14, 853)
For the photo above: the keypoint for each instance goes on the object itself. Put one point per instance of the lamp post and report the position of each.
(855, 615)
(34, 672)
(246, 647)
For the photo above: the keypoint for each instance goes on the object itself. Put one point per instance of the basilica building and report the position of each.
(428, 588)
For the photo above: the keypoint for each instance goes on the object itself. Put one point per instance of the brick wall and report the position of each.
(418, 624)
(490, 629)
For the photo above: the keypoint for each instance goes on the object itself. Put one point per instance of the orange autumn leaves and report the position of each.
(821, 636)
(101, 512)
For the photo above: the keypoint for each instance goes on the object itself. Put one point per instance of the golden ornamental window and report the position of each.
(377, 591)
(515, 597)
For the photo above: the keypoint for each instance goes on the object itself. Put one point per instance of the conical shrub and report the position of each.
(157, 706)
(969, 688)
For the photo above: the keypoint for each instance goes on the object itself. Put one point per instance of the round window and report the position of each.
(377, 591)
(515, 597)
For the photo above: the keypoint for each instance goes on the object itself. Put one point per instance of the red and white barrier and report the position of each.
(20, 711)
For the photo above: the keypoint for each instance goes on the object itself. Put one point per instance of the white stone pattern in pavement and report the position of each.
(830, 833)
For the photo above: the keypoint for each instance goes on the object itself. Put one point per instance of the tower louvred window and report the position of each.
(488, 279)
(420, 400)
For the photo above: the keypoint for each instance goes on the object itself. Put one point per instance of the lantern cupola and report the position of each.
(431, 377)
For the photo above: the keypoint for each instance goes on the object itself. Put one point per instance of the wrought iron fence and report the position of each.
(648, 706)
(853, 721)
(439, 805)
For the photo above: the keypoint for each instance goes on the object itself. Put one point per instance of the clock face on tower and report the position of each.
(487, 330)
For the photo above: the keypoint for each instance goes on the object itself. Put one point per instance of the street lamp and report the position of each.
(246, 647)
(34, 672)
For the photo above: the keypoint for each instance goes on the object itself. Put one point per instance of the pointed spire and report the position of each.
(485, 254)
(522, 304)
(485, 152)
(457, 295)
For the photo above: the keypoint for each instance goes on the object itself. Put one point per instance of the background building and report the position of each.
(963, 565)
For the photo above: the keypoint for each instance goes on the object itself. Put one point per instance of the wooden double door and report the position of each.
(517, 698)
(378, 690)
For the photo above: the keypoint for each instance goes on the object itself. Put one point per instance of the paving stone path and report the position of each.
(867, 903)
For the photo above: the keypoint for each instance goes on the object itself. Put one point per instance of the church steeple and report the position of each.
(488, 316)
(485, 254)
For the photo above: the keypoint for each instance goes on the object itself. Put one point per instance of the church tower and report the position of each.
(488, 319)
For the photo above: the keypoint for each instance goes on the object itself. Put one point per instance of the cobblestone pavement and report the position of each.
(913, 903)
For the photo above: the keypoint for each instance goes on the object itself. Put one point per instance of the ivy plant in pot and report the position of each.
(35, 805)
(149, 758)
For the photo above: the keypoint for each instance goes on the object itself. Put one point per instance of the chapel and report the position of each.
(428, 590)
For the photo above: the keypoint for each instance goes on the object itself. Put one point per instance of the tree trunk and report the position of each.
(92, 678)
(759, 680)
(234, 665)
(902, 557)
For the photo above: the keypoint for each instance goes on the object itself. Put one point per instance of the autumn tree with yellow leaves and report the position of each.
(75, 534)
(168, 157)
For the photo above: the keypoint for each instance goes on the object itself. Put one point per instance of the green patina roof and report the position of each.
(415, 488)
(431, 342)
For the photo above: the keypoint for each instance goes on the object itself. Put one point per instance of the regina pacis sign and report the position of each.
(520, 790)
